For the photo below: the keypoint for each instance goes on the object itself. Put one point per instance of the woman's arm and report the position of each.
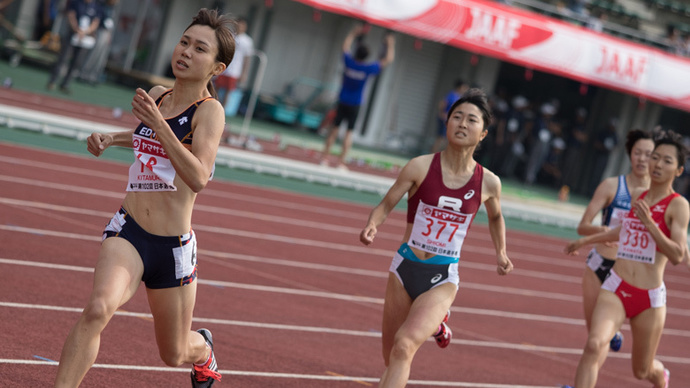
(406, 180)
(194, 168)
(677, 220)
(98, 142)
(603, 196)
(601, 237)
(497, 225)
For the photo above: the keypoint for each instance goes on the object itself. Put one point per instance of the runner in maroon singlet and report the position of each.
(445, 191)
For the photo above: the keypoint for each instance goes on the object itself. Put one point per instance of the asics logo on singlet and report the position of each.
(625, 294)
(436, 278)
(469, 194)
(182, 120)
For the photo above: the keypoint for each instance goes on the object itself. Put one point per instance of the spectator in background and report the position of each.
(355, 76)
(236, 73)
(551, 172)
(578, 7)
(674, 41)
(83, 17)
(596, 23)
(518, 125)
(541, 142)
(606, 141)
(576, 139)
(45, 16)
(95, 64)
(493, 152)
(459, 88)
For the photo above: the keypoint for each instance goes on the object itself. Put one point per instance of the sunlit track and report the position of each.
(471, 245)
(277, 375)
(318, 243)
(334, 331)
(376, 300)
(292, 297)
(253, 199)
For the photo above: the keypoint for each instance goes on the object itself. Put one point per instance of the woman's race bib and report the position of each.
(635, 242)
(439, 231)
(152, 170)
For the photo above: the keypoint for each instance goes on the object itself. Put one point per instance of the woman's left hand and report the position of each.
(145, 109)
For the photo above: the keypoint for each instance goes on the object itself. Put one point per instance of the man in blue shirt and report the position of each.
(355, 76)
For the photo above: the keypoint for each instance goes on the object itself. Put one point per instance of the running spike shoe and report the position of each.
(444, 334)
(616, 342)
(204, 376)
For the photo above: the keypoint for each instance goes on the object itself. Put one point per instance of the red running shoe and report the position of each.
(444, 334)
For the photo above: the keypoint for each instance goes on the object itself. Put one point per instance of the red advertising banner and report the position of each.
(531, 40)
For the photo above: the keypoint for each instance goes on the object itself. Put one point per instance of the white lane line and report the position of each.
(278, 375)
(360, 249)
(356, 298)
(272, 202)
(353, 333)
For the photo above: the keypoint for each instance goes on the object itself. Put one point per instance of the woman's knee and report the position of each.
(403, 348)
(98, 311)
(172, 357)
(595, 345)
(642, 372)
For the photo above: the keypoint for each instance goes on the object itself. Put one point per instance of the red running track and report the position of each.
(291, 296)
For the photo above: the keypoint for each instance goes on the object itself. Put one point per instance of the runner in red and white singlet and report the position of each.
(653, 233)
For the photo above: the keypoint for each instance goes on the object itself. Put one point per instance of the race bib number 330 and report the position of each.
(635, 242)
(439, 231)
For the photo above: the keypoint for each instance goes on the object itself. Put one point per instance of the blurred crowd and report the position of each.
(533, 143)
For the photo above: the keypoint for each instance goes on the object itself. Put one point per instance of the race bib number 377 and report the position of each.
(439, 231)
(635, 242)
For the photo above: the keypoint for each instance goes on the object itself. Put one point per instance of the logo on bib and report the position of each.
(436, 278)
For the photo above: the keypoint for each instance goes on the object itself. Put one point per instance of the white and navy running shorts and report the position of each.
(600, 265)
(419, 276)
(169, 261)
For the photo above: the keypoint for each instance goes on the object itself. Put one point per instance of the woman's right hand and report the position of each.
(98, 142)
(367, 235)
(572, 247)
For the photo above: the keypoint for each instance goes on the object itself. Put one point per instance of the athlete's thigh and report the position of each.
(646, 331)
(427, 312)
(396, 306)
(118, 272)
(172, 310)
(607, 317)
(591, 285)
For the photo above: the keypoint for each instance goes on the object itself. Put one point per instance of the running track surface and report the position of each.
(291, 296)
